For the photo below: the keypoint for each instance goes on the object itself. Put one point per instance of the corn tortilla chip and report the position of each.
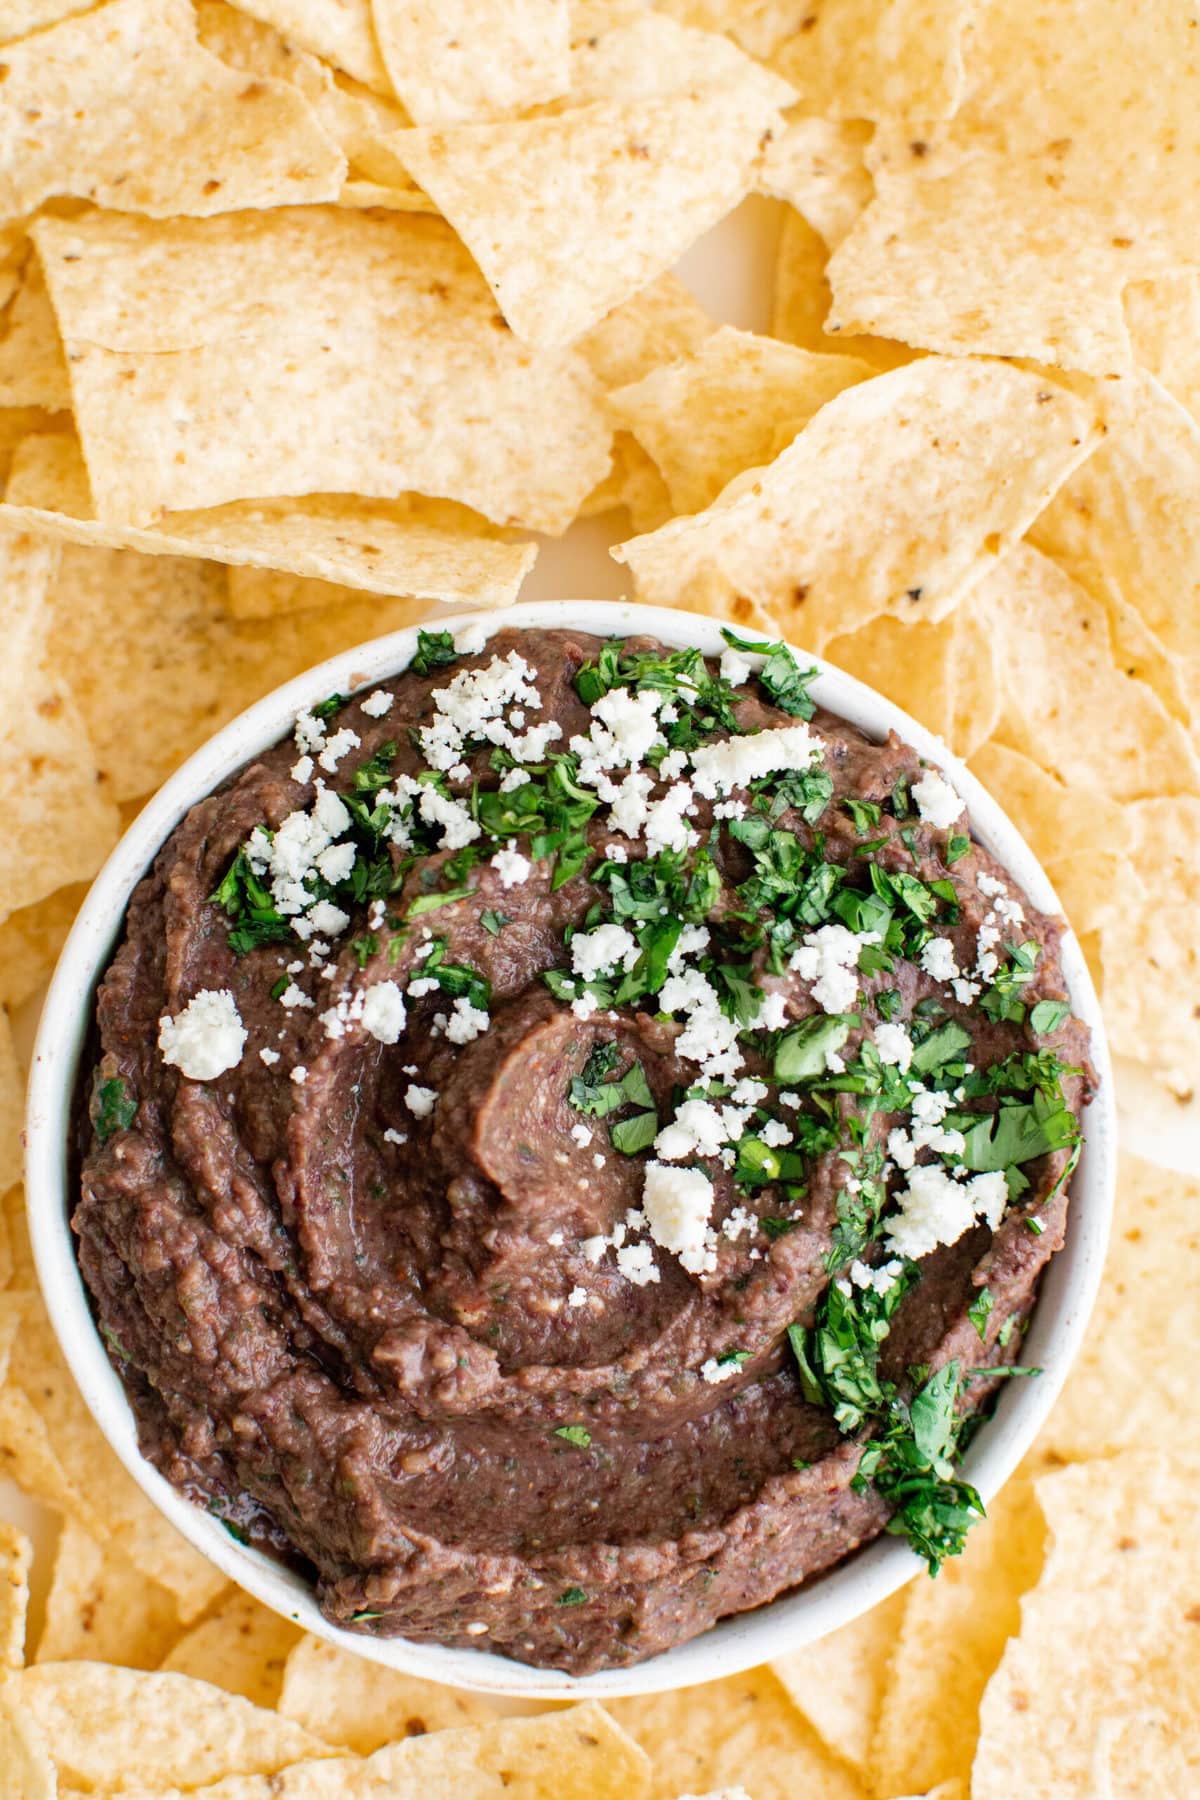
(33, 371)
(759, 26)
(896, 497)
(950, 1641)
(578, 1754)
(102, 1608)
(801, 300)
(412, 358)
(468, 59)
(1047, 813)
(1116, 1601)
(110, 1729)
(355, 117)
(645, 56)
(340, 31)
(946, 675)
(21, 18)
(744, 1730)
(658, 325)
(878, 59)
(1131, 1381)
(241, 1647)
(16, 1554)
(634, 482)
(26, 1772)
(12, 1206)
(838, 1682)
(269, 594)
(30, 942)
(362, 1706)
(47, 770)
(1057, 671)
(1164, 328)
(131, 112)
(1151, 962)
(93, 1487)
(817, 166)
(410, 546)
(568, 216)
(1020, 221)
(735, 404)
(12, 1105)
(1128, 530)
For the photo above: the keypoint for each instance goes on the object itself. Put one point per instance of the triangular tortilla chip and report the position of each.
(1164, 329)
(567, 216)
(33, 371)
(469, 59)
(838, 1682)
(122, 106)
(661, 323)
(817, 166)
(340, 31)
(801, 300)
(897, 497)
(241, 1646)
(16, 1554)
(945, 675)
(361, 1706)
(102, 1608)
(201, 351)
(878, 59)
(733, 405)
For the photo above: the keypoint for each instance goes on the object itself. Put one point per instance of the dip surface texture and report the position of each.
(545, 1132)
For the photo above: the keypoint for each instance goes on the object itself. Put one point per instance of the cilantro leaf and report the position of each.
(435, 650)
(801, 1052)
(631, 1135)
(493, 922)
(1048, 1015)
(979, 1311)
(113, 1108)
(1018, 1133)
(578, 1435)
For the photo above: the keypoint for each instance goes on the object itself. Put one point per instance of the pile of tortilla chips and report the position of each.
(315, 315)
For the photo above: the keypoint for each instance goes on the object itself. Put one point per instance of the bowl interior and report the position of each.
(736, 1643)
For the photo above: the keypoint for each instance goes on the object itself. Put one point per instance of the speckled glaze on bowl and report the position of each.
(736, 1643)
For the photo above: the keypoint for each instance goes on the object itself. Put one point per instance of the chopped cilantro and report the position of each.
(775, 1227)
(801, 1052)
(979, 1310)
(1017, 1133)
(1048, 1015)
(759, 1163)
(427, 903)
(945, 1044)
(365, 948)
(578, 1435)
(1006, 1330)
(435, 650)
(279, 988)
(249, 904)
(113, 1108)
(838, 1357)
(572, 1596)
(631, 1135)
(888, 1002)
(325, 709)
(865, 815)
(493, 922)
(594, 1094)
(1002, 1001)
(956, 848)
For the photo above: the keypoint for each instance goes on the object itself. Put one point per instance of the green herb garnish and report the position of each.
(113, 1108)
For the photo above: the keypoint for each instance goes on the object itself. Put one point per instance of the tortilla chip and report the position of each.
(817, 166)
(102, 1608)
(26, 1772)
(47, 770)
(30, 942)
(634, 482)
(570, 215)
(469, 59)
(131, 112)
(241, 1647)
(361, 1706)
(577, 1754)
(110, 1729)
(16, 1555)
(878, 59)
(1164, 328)
(838, 1682)
(1151, 961)
(1127, 526)
(12, 1105)
(83, 1476)
(270, 594)
(759, 26)
(644, 56)
(355, 118)
(20, 18)
(945, 675)
(409, 545)
(1130, 1384)
(1013, 228)
(33, 371)
(411, 361)
(21, 1276)
(658, 325)
(733, 405)
(741, 1731)
(1115, 1604)
(801, 301)
(897, 496)
(340, 31)
(1064, 701)
(951, 1639)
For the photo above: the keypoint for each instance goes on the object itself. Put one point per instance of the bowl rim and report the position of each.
(741, 1641)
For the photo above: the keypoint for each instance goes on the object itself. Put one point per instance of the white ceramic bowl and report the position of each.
(733, 1644)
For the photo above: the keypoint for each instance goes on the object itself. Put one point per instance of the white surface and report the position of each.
(736, 1643)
